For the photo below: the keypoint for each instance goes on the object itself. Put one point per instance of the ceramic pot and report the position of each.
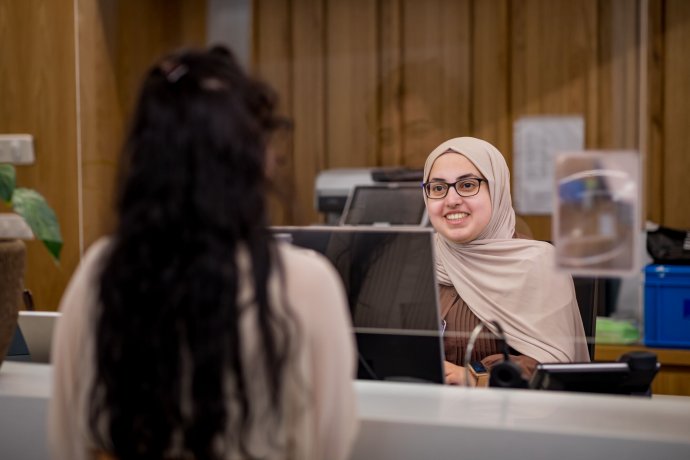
(12, 263)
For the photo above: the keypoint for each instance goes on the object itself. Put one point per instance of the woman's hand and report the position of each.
(455, 375)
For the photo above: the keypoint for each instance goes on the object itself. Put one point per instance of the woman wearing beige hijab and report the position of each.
(487, 274)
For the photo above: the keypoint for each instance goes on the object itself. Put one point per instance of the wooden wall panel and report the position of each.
(436, 93)
(191, 22)
(676, 206)
(118, 41)
(272, 62)
(341, 68)
(102, 114)
(474, 67)
(654, 165)
(619, 75)
(147, 30)
(72, 87)
(490, 70)
(37, 89)
(554, 68)
(350, 83)
(387, 118)
(308, 36)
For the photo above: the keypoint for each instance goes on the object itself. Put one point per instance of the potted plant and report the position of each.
(30, 211)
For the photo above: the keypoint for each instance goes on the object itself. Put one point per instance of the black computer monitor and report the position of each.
(385, 204)
(631, 375)
(390, 281)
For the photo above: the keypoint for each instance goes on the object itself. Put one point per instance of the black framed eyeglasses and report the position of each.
(465, 187)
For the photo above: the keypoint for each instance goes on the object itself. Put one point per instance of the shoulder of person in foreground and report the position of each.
(305, 268)
(71, 357)
(316, 294)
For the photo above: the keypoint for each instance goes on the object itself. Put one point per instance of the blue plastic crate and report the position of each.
(667, 306)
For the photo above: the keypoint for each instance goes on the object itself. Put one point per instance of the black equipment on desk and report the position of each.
(505, 374)
(397, 203)
(333, 186)
(669, 246)
(632, 374)
(389, 278)
(398, 175)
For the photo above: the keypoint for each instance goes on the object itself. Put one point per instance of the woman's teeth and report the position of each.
(456, 216)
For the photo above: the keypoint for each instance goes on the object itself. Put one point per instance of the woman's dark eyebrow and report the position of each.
(464, 176)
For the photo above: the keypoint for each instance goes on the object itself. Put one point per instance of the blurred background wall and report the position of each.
(366, 82)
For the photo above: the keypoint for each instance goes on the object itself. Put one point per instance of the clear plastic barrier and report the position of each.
(597, 213)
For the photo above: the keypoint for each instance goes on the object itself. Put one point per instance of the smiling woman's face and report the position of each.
(459, 219)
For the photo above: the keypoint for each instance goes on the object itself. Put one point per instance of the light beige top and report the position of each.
(320, 404)
(510, 280)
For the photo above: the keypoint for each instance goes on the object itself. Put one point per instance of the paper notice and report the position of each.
(537, 141)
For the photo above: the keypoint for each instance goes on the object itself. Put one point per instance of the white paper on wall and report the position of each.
(537, 140)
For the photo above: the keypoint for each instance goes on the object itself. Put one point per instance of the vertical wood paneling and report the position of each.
(654, 163)
(191, 22)
(490, 71)
(626, 31)
(421, 81)
(619, 75)
(441, 68)
(554, 68)
(676, 115)
(350, 82)
(272, 62)
(608, 87)
(102, 114)
(436, 93)
(47, 66)
(37, 88)
(118, 41)
(308, 104)
(387, 118)
(554, 55)
(620, 80)
(456, 57)
(146, 31)
(473, 67)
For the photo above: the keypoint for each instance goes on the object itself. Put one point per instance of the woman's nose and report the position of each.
(453, 197)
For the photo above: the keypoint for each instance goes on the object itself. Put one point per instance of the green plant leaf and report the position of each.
(8, 179)
(41, 218)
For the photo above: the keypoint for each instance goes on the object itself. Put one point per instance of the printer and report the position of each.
(333, 186)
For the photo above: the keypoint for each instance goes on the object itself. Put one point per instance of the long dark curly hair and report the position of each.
(192, 194)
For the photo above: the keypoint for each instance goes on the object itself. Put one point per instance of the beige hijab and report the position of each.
(510, 280)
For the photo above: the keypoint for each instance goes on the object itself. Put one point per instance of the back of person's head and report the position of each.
(197, 145)
(191, 228)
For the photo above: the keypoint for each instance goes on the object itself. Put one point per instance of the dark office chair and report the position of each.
(591, 298)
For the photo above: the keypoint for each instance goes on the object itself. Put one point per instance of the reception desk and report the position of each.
(412, 421)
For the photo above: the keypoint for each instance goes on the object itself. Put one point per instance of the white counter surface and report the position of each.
(412, 421)
(660, 418)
